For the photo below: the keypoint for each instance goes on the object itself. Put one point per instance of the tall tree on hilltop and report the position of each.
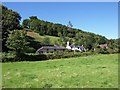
(70, 24)
(33, 17)
(70, 30)
(26, 23)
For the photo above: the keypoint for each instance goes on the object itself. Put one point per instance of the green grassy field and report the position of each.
(39, 38)
(95, 71)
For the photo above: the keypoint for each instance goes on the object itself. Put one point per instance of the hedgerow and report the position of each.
(41, 57)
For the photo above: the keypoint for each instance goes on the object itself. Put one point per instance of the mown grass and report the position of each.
(95, 71)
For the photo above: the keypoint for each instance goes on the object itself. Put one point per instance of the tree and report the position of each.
(26, 23)
(17, 42)
(89, 40)
(34, 25)
(10, 21)
(37, 26)
(64, 31)
(69, 27)
(70, 24)
(33, 17)
(102, 40)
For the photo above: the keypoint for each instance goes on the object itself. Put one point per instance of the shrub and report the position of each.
(30, 50)
(39, 57)
(6, 57)
(101, 51)
(116, 50)
(111, 51)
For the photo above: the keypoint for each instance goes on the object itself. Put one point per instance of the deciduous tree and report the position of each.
(17, 41)
(10, 21)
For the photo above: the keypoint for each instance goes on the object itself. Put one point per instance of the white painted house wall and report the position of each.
(73, 48)
(68, 46)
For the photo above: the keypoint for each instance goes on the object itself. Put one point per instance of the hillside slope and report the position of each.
(66, 32)
(58, 34)
(40, 38)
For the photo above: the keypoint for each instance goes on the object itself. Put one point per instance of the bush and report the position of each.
(39, 57)
(34, 57)
(66, 55)
(116, 50)
(101, 51)
(30, 50)
(6, 57)
(104, 51)
(111, 51)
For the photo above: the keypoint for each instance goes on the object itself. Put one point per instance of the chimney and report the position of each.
(67, 43)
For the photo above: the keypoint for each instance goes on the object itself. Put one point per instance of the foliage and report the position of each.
(33, 17)
(47, 56)
(103, 51)
(26, 23)
(53, 33)
(89, 40)
(10, 21)
(106, 50)
(66, 55)
(30, 50)
(33, 44)
(17, 42)
(7, 57)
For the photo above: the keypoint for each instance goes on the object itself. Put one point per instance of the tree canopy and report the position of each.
(10, 21)
(17, 41)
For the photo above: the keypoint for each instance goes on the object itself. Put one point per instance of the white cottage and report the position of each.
(75, 48)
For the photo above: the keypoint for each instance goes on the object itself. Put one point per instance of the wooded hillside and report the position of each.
(11, 21)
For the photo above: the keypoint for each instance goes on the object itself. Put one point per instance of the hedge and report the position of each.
(41, 57)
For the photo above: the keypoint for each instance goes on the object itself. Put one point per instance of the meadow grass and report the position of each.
(95, 71)
(39, 38)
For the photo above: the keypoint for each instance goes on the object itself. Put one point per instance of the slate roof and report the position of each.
(51, 48)
(72, 46)
(81, 47)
